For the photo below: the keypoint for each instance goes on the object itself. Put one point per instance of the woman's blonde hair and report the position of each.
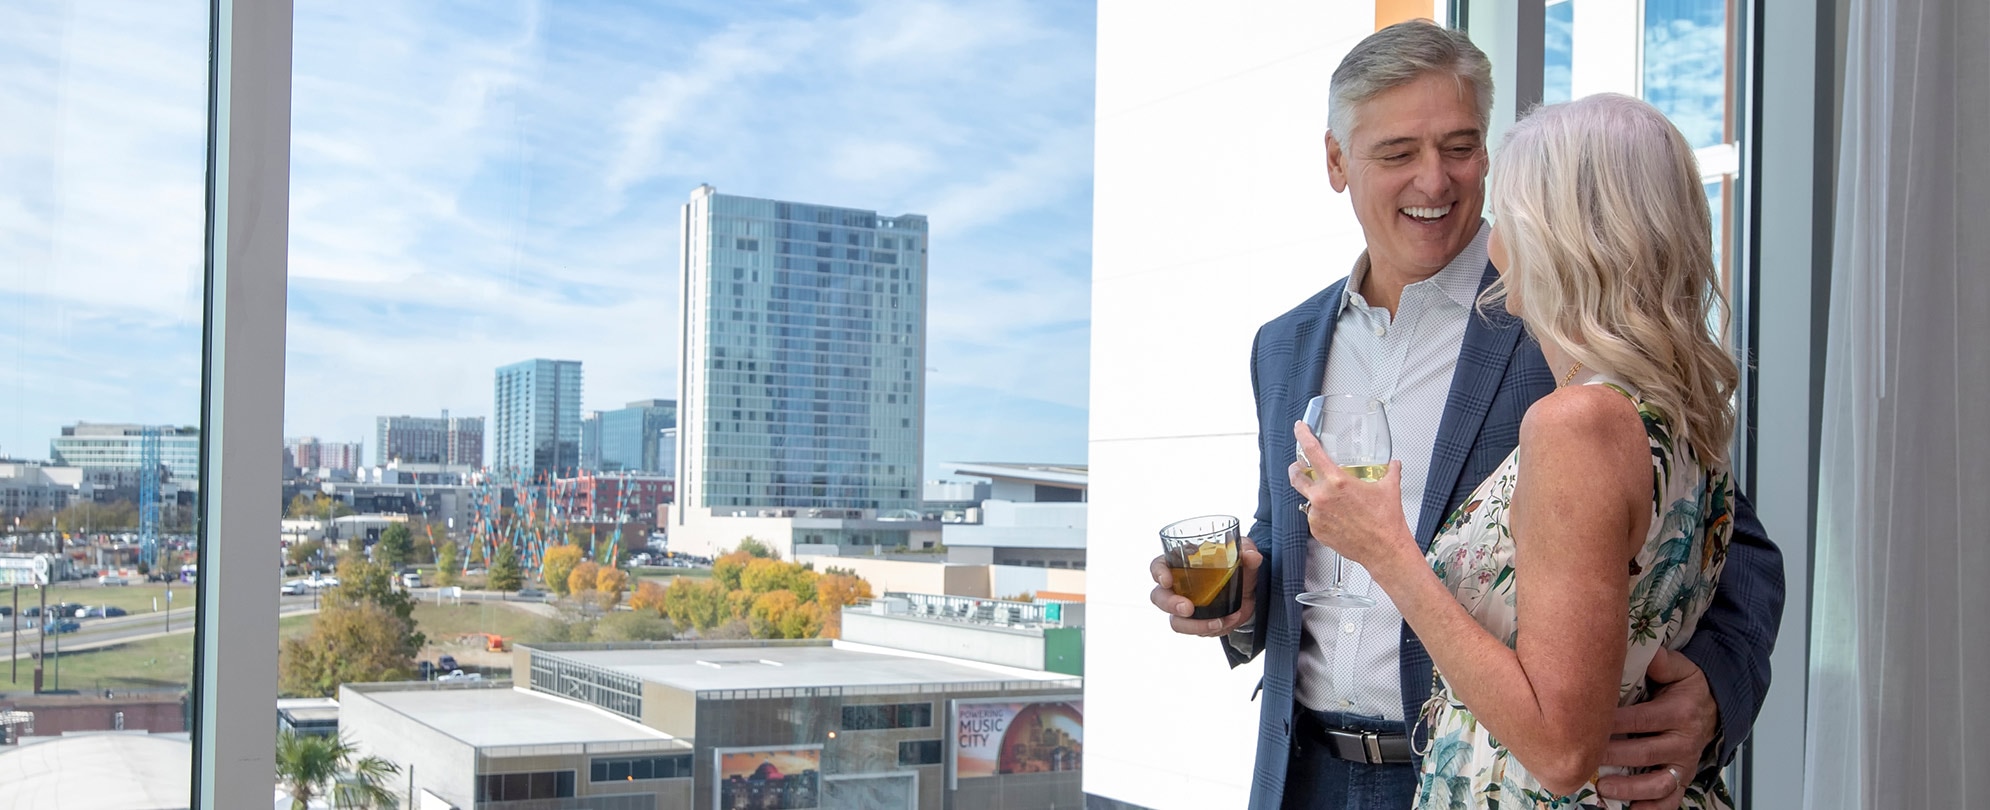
(1604, 218)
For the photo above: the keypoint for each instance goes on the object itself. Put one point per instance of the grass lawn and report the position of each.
(446, 623)
(293, 626)
(154, 663)
(136, 598)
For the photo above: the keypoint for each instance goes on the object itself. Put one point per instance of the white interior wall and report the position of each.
(1212, 214)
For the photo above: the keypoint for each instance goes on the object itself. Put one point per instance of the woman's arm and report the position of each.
(1580, 510)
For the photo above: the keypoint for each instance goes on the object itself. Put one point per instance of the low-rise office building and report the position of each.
(489, 746)
(796, 724)
(1033, 515)
(1043, 635)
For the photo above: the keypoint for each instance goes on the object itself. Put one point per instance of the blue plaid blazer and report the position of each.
(1500, 373)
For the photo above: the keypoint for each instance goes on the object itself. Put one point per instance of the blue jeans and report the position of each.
(1316, 780)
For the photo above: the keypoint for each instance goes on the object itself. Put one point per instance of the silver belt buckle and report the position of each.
(1371, 744)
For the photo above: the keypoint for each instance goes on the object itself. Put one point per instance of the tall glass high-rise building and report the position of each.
(537, 418)
(631, 438)
(803, 382)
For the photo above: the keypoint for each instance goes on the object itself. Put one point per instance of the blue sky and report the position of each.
(479, 183)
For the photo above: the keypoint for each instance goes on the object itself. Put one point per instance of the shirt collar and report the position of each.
(1459, 280)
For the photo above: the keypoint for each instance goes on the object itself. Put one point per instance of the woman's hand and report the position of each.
(1362, 521)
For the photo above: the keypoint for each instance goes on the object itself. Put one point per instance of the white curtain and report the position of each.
(1899, 712)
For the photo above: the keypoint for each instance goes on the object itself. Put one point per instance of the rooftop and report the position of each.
(790, 666)
(1064, 474)
(125, 771)
(492, 717)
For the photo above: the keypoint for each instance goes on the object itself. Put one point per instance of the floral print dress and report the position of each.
(1671, 583)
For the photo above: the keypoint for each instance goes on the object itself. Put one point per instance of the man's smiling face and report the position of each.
(1415, 166)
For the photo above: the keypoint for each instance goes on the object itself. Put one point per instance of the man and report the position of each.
(1407, 118)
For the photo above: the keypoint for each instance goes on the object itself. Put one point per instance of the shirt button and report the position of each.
(1381, 330)
(1347, 628)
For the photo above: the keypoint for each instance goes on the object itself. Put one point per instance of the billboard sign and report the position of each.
(997, 736)
(769, 778)
(21, 569)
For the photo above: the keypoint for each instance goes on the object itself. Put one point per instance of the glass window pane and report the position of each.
(1558, 57)
(103, 164)
(1686, 58)
(531, 354)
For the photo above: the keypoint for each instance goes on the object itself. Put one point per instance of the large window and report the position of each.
(625, 769)
(511, 787)
(1680, 55)
(887, 716)
(102, 174)
(821, 250)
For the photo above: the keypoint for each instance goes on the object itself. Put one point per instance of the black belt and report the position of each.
(1355, 745)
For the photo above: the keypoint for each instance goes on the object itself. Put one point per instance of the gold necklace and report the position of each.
(1571, 375)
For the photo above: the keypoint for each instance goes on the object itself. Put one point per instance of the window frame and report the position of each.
(247, 237)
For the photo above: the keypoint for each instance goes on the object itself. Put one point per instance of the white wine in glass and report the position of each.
(1354, 430)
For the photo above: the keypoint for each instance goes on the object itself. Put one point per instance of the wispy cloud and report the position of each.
(475, 184)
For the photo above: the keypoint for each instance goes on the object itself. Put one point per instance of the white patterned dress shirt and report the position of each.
(1349, 659)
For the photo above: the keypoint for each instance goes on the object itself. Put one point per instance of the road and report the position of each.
(106, 632)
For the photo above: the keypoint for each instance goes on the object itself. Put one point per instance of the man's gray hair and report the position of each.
(1401, 54)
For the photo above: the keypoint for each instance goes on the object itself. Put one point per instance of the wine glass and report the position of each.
(1354, 430)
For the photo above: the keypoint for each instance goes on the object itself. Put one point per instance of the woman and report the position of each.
(1604, 533)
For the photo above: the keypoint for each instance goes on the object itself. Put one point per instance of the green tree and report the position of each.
(446, 562)
(726, 570)
(301, 507)
(348, 643)
(695, 603)
(90, 516)
(765, 575)
(362, 582)
(558, 565)
(754, 548)
(396, 547)
(309, 766)
(506, 574)
(302, 553)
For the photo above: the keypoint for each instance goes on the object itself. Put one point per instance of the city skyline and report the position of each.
(470, 187)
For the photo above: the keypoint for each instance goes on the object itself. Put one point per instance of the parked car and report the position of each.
(112, 579)
(446, 663)
(457, 675)
(31, 612)
(113, 611)
(56, 628)
(292, 588)
(6, 611)
(531, 595)
(411, 579)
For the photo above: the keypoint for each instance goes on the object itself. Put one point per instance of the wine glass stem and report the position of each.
(1340, 579)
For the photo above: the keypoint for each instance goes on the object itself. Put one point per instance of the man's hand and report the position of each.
(1178, 607)
(1681, 721)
